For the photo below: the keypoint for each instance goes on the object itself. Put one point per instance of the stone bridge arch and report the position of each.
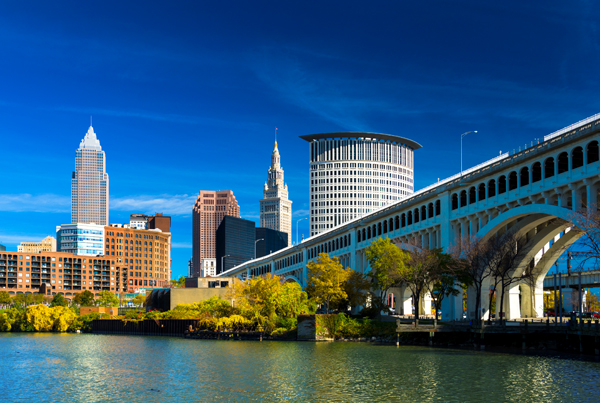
(543, 224)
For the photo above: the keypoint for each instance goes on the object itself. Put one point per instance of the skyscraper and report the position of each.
(354, 173)
(89, 183)
(209, 210)
(275, 207)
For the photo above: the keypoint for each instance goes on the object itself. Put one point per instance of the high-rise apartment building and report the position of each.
(275, 206)
(47, 244)
(209, 210)
(89, 183)
(355, 173)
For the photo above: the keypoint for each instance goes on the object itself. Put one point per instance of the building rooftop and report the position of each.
(379, 136)
(90, 140)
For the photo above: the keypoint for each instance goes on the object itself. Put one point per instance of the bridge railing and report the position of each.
(567, 129)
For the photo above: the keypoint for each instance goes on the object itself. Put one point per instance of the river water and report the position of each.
(98, 368)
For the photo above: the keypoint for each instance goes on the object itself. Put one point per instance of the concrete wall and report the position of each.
(194, 295)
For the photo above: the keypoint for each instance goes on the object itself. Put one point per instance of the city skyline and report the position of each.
(193, 105)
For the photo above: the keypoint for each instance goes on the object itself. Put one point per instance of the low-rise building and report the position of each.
(47, 244)
(80, 239)
(70, 274)
(196, 289)
(208, 267)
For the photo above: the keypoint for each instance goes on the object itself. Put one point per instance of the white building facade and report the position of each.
(352, 174)
(208, 267)
(275, 206)
(80, 239)
(89, 183)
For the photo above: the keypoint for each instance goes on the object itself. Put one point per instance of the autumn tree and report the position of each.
(179, 283)
(5, 298)
(107, 298)
(85, 298)
(326, 280)
(139, 299)
(387, 264)
(59, 300)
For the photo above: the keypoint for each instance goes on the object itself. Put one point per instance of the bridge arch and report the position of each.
(289, 278)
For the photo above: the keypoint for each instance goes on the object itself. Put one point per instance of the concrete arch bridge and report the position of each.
(534, 191)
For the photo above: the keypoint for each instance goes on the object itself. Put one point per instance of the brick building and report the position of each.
(143, 255)
(22, 272)
(208, 212)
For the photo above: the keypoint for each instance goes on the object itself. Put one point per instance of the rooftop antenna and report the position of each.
(90, 120)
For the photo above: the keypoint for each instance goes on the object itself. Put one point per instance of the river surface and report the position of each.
(98, 368)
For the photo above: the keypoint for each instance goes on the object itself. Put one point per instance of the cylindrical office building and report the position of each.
(354, 173)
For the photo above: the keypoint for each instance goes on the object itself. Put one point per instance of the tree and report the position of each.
(107, 298)
(326, 279)
(387, 263)
(59, 300)
(139, 299)
(5, 298)
(448, 278)
(180, 283)
(23, 299)
(472, 253)
(85, 298)
(357, 287)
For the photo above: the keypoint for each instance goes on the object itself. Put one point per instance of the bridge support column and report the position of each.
(426, 305)
(569, 300)
(452, 307)
(406, 301)
(592, 195)
(512, 305)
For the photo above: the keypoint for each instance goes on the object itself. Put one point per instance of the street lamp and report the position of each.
(297, 228)
(223, 257)
(461, 137)
(262, 239)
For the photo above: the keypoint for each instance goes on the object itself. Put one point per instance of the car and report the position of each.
(549, 314)
(596, 315)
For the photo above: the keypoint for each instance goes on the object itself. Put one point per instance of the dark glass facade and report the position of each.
(273, 240)
(235, 242)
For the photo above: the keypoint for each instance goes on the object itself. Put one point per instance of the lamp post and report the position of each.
(223, 257)
(255, 242)
(297, 228)
(461, 153)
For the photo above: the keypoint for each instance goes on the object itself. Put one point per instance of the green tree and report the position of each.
(448, 277)
(326, 280)
(357, 288)
(59, 300)
(107, 298)
(85, 298)
(180, 283)
(139, 299)
(387, 264)
(5, 298)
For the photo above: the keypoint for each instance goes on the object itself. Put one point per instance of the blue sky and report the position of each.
(186, 96)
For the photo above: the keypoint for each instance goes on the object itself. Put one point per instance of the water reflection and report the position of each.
(90, 368)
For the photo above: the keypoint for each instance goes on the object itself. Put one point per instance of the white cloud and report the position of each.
(44, 203)
(52, 203)
(167, 204)
(301, 213)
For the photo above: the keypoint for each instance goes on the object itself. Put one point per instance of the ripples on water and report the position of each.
(95, 368)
